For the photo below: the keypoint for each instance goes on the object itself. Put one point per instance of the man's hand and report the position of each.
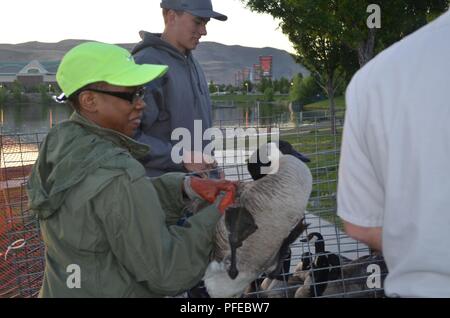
(210, 189)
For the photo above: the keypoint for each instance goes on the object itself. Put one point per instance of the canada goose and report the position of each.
(274, 284)
(302, 268)
(354, 280)
(255, 162)
(254, 168)
(287, 285)
(324, 267)
(262, 286)
(253, 234)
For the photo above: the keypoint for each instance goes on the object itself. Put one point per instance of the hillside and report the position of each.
(220, 62)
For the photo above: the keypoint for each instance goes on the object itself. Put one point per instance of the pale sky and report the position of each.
(118, 21)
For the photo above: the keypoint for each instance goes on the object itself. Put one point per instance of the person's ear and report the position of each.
(88, 101)
(171, 17)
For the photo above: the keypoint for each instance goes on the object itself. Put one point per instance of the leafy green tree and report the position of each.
(314, 29)
(230, 89)
(332, 38)
(212, 87)
(304, 90)
(398, 18)
(43, 90)
(247, 87)
(17, 91)
(285, 85)
(269, 94)
(276, 85)
(264, 84)
(3, 94)
(295, 88)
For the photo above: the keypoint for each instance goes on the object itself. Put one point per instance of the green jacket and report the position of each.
(98, 210)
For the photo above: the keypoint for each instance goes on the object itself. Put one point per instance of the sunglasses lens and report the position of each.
(139, 94)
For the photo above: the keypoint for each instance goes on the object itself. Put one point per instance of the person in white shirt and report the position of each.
(394, 174)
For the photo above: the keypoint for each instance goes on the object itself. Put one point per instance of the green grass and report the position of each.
(322, 148)
(246, 98)
(319, 106)
(325, 105)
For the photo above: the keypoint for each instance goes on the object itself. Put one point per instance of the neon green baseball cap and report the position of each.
(93, 62)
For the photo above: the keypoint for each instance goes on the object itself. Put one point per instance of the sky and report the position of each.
(118, 21)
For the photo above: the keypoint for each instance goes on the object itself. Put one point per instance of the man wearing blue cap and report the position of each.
(182, 95)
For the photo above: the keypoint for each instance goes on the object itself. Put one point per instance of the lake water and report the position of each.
(32, 118)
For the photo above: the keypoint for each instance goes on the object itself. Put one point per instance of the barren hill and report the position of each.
(220, 62)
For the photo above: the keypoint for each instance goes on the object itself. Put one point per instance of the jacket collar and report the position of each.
(136, 149)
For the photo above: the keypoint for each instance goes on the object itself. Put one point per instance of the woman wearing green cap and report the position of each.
(110, 231)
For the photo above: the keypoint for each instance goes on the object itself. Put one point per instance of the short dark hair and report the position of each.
(166, 11)
(74, 100)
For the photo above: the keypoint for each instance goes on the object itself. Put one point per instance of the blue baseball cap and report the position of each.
(198, 8)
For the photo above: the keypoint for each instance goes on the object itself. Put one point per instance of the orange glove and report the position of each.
(210, 189)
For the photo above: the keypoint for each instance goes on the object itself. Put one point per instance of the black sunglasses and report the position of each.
(130, 97)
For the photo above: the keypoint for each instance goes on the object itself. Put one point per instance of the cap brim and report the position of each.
(208, 14)
(137, 75)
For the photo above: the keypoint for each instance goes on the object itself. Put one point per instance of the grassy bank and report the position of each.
(246, 98)
(325, 105)
(323, 149)
(318, 106)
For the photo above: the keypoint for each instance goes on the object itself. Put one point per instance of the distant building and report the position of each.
(29, 75)
(246, 74)
(239, 79)
(256, 73)
(266, 63)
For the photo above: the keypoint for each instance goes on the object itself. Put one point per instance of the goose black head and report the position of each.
(268, 152)
(317, 238)
(287, 149)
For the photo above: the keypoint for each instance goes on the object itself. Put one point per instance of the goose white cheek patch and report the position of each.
(272, 156)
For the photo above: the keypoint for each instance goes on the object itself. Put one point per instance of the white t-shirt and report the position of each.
(395, 161)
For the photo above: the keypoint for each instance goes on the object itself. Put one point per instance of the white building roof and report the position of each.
(33, 68)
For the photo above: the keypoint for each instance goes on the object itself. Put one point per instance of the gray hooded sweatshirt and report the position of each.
(173, 101)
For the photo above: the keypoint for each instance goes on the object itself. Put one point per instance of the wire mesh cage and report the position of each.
(21, 247)
(323, 262)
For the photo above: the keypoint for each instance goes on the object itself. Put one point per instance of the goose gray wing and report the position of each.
(240, 225)
(285, 251)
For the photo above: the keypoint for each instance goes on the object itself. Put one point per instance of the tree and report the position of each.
(276, 86)
(212, 87)
(17, 91)
(2, 94)
(269, 94)
(398, 18)
(314, 29)
(247, 86)
(332, 38)
(222, 87)
(304, 90)
(264, 84)
(230, 89)
(285, 85)
(44, 92)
